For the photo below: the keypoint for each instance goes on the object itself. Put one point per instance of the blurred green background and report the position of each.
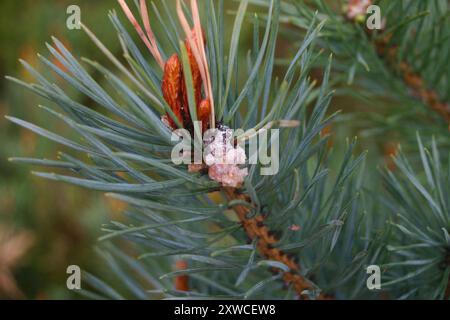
(44, 226)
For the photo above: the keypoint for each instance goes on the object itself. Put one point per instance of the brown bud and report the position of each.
(204, 113)
(171, 87)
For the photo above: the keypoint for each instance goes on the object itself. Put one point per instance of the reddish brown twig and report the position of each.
(411, 78)
(256, 230)
(388, 51)
(181, 281)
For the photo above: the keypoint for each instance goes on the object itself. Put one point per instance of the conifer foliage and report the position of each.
(212, 230)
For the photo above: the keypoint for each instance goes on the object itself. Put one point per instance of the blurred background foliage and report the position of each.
(44, 226)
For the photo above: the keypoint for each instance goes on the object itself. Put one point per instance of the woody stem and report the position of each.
(257, 231)
(412, 79)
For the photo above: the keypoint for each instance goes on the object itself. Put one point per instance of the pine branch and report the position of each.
(171, 216)
(421, 220)
(266, 242)
(410, 53)
(388, 50)
(412, 79)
